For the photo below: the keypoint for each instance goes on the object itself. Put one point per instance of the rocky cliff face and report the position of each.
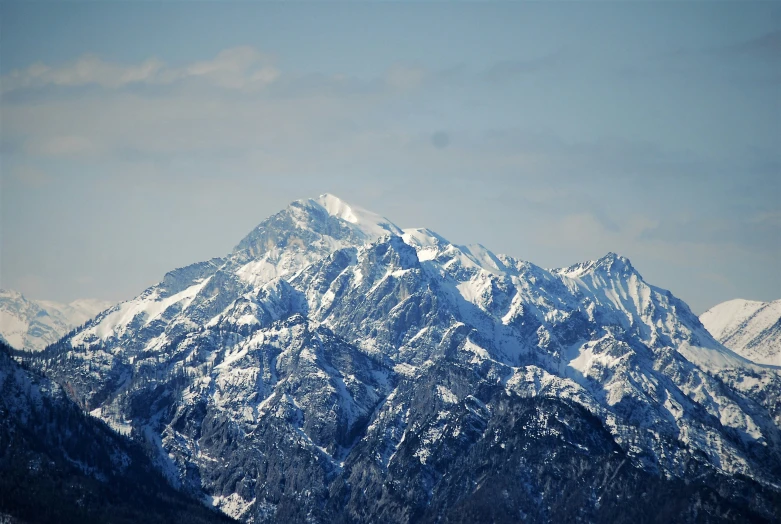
(336, 368)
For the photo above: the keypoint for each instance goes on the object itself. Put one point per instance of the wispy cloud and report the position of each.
(235, 103)
(61, 145)
(235, 68)
(89, 69)
(509, 69)
(243, 68)
(405, 77)
(767, 45)
(30, 176)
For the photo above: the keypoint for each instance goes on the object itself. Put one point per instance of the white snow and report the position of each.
(115, 323)
(78, 311)
(513, 308)
(370, 224)
(233, 505)
(721, 319)
(446, 395)
(748, 327)
(34, 324)
(479, 353)
(427, 243)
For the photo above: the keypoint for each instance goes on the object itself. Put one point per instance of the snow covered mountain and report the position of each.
(34, 324)
(334, 367)
(750, 328)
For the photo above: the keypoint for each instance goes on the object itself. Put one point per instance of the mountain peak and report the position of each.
(611, 263)
(330, 336)
(315, 226)
(336, 207)
(367, 222)
(612, 259)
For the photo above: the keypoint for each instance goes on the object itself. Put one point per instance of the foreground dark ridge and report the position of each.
(59, 465)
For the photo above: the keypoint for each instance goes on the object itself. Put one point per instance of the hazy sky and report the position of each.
(138, 137)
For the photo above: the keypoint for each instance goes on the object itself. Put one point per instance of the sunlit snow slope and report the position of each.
(748, 327)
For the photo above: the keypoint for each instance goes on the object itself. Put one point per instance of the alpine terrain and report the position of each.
(336, 368)
(34, 324)
(750, 328)
(59, 465)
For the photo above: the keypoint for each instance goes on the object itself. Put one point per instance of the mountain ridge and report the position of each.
(314, 335)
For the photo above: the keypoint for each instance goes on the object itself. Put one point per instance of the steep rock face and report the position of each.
(528, 459)
(335, 367)
(750, 328)
(34, 324)
(59, 465)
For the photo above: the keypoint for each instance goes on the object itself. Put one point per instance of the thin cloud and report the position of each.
(405, 77)
(89, 69)
(746, 63)
(768, 44)
(510, 69)
(241, 69)
(602, 159)
(30, 176)
(66, 145)
(235, 68)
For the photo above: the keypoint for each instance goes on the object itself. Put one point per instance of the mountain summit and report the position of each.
(325, 222)
(334, 367)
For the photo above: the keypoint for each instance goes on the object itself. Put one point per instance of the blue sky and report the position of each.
(137, 137)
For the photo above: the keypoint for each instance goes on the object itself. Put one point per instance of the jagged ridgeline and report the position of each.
(335, 368)
(58, 464)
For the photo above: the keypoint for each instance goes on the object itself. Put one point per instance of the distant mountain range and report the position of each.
(748, 327)
(34, 324)
(336, 368)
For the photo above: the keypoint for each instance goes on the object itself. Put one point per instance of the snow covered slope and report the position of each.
(750, 328)
(60, 465)
(34, 324)
(279, 247)
(334, 355)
